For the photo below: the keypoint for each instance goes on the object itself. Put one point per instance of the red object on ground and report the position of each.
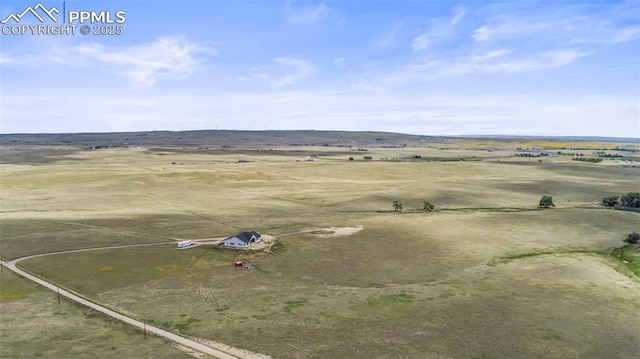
(238, 264)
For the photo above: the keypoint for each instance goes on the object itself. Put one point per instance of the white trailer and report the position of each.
(184, 244)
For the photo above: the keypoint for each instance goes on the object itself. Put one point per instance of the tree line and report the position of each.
(629, 200)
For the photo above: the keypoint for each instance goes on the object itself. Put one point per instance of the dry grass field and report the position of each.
(34, 325)
(485, 275)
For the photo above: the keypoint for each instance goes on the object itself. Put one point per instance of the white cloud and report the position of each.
(420, 42)
(289, 71)
(495, 62)
(425, 65)
(565, 25)
(6, 60)
(166, 57)
(388, 38)
(433, 114)
(440, 29)
(490, 55)
(609, 36)
(482, 33)
(458, 15)
(304, 14)
(626, 34)
(499, 62)
(339, 62)
(507, 27)
(301, 69)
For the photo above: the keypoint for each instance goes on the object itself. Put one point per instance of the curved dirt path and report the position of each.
(11, 265)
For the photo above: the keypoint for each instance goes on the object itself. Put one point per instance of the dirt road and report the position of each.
(11, 265)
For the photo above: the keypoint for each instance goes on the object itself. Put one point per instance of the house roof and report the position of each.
(246, 236)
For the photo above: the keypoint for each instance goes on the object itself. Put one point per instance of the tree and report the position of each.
(350, 158)
(631, 199)
(397, 206)
(633, 238)
(428, 206)
(610, 201)
(546, 202)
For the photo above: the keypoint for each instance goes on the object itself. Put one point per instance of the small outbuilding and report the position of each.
(242, 240)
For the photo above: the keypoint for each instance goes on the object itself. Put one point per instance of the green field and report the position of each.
(485, 275)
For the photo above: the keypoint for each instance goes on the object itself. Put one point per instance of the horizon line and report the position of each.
(478, 136)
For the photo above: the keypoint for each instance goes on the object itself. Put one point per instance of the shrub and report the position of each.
(631, 199)
(428, 206)
(610, 201)
(589, 159)
(546, 202)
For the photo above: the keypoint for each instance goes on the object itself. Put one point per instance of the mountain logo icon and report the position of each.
(34, 11)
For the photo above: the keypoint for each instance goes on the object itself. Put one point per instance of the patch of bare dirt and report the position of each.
(265, 244)
(332, 232)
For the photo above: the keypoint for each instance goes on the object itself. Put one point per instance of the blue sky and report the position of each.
(422, 67)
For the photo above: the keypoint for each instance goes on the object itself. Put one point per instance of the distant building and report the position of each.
(242, 240)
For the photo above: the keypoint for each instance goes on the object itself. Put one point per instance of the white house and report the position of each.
(242, 240)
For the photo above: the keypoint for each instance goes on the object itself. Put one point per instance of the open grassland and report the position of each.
(487, 274)
(327, 300)
(34, 325)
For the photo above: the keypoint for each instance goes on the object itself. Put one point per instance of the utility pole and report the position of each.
(58, 295)
(145, 328)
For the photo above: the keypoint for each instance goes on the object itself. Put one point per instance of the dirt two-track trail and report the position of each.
(192, 344)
